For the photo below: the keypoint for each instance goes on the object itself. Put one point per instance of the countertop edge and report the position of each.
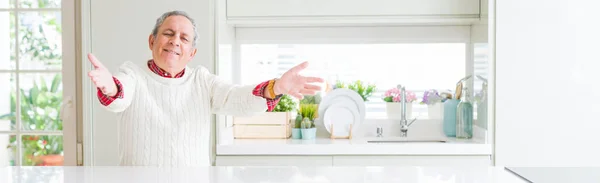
(353, 149)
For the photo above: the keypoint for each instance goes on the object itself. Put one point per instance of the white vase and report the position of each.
(435, 111)
(394, 110)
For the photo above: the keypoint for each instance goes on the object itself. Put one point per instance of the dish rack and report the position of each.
(340, 137)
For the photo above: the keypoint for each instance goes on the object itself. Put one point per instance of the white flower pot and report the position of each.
(435, 111)
(394, 110)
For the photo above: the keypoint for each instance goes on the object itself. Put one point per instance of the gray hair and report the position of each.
(166, 15)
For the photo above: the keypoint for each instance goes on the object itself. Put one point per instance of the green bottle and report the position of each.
(464, 116)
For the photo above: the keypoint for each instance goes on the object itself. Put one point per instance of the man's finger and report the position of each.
(308, 92)
(297, 95)
(300, 67)
(314, 80)
(95, 62)
(312, 87)
(93, 73)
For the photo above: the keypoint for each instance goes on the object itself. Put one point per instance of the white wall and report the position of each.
(119, 32)
(547, 67)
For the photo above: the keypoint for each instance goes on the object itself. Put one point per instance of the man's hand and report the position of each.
(102, 77)
(296, 85)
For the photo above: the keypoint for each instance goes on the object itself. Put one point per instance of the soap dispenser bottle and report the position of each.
(464, 115)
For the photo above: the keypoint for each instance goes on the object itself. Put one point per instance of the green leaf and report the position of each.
(55, 83)
(42, 100)
(9, 116)
(388, 99)
(33, 93)
(43, 87)
(25, 100)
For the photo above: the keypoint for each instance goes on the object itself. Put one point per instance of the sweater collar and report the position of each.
(157, 70)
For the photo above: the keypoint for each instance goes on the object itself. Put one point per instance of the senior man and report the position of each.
(164, 109)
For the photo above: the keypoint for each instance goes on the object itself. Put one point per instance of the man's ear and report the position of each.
(193, 53)
(150, 41)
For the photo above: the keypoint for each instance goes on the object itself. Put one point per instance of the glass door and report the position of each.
(34, 82)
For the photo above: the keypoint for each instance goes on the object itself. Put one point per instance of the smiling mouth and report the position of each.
(170, 51)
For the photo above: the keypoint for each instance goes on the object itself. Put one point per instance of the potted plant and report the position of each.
(308, 113)
(434, 102)
(285, 104)
(308, 99)
(393, 98)
(364, 90)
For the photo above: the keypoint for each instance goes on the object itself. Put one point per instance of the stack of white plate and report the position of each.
(342, 107)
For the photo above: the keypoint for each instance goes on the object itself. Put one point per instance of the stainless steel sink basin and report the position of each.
(406, 141)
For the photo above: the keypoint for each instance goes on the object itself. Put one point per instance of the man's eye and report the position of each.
(185, 39)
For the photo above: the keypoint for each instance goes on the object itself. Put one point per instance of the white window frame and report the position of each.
(69, 107)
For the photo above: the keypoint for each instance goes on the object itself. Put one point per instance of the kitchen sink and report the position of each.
(405, 141)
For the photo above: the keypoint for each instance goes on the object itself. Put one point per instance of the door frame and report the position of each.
(69, 71)
(85, 131)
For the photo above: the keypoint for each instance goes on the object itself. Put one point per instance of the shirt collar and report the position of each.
(157, 70)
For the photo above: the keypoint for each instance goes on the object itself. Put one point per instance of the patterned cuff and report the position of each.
(107, 100)
(259, 91)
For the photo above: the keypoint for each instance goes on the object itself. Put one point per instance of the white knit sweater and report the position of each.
(166, 121)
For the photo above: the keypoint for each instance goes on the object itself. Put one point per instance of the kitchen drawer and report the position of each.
(274, 161)
(415, 160)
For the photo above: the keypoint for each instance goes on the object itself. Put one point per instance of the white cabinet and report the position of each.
(384, 160)
(329, 12)
(411, 161)
(305, 8)
(274, 161)
(554, 48)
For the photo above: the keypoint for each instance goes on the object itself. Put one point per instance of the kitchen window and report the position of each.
(420, 58)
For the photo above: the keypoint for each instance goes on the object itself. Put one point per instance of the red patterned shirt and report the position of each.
(259, 90)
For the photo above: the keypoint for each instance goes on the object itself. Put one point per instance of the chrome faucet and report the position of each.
(403, 122)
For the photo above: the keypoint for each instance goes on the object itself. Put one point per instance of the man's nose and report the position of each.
(174, 42)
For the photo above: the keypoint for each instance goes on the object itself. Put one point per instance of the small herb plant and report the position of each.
(364, 90)
(285, 104)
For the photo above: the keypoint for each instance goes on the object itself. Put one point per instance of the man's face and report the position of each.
(172, 47)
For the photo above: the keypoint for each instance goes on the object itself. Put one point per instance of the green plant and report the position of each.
(40, 109)
(308, 113)
(285, 104)
(307, 123)
(298, 122)
(339, 84)
(311, 99)
(364, 90)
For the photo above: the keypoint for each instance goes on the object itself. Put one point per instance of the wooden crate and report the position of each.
(267, 118)
(262, 131)
(269, 125)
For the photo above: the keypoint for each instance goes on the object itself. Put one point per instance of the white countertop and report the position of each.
(258, 174)
(326, 146)
(558, 174)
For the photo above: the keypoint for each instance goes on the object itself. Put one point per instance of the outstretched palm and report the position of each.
(296, 85)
